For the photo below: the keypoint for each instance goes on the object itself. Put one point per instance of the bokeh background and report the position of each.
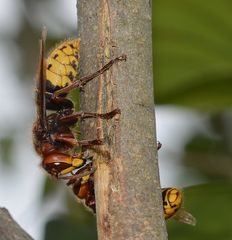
(193, 96)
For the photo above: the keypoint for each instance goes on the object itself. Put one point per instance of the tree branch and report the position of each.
(9, 229)
(127, 188)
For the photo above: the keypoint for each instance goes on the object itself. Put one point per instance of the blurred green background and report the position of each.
(192, 66)
(192, 77)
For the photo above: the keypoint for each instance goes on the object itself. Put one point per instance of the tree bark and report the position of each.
(9, 229)
(127, 187)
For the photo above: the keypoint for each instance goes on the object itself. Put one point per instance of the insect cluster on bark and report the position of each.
(54, 137)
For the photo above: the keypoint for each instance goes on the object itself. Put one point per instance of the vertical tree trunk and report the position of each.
(127, 188)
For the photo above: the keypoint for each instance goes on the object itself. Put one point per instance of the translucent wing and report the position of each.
(41, 83)
(185, 217)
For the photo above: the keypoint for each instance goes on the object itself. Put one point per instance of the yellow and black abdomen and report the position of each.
(172, 201)
(62, 68)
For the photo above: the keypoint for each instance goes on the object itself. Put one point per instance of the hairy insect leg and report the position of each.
(84, 80)
(67, 138)
(72, 141)
(72, 118)
(91, 142)
(83, 115)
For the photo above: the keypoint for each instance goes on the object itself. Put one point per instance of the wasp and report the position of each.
(172, 206)
(53, 137)
(172, 199)
(83, 188)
